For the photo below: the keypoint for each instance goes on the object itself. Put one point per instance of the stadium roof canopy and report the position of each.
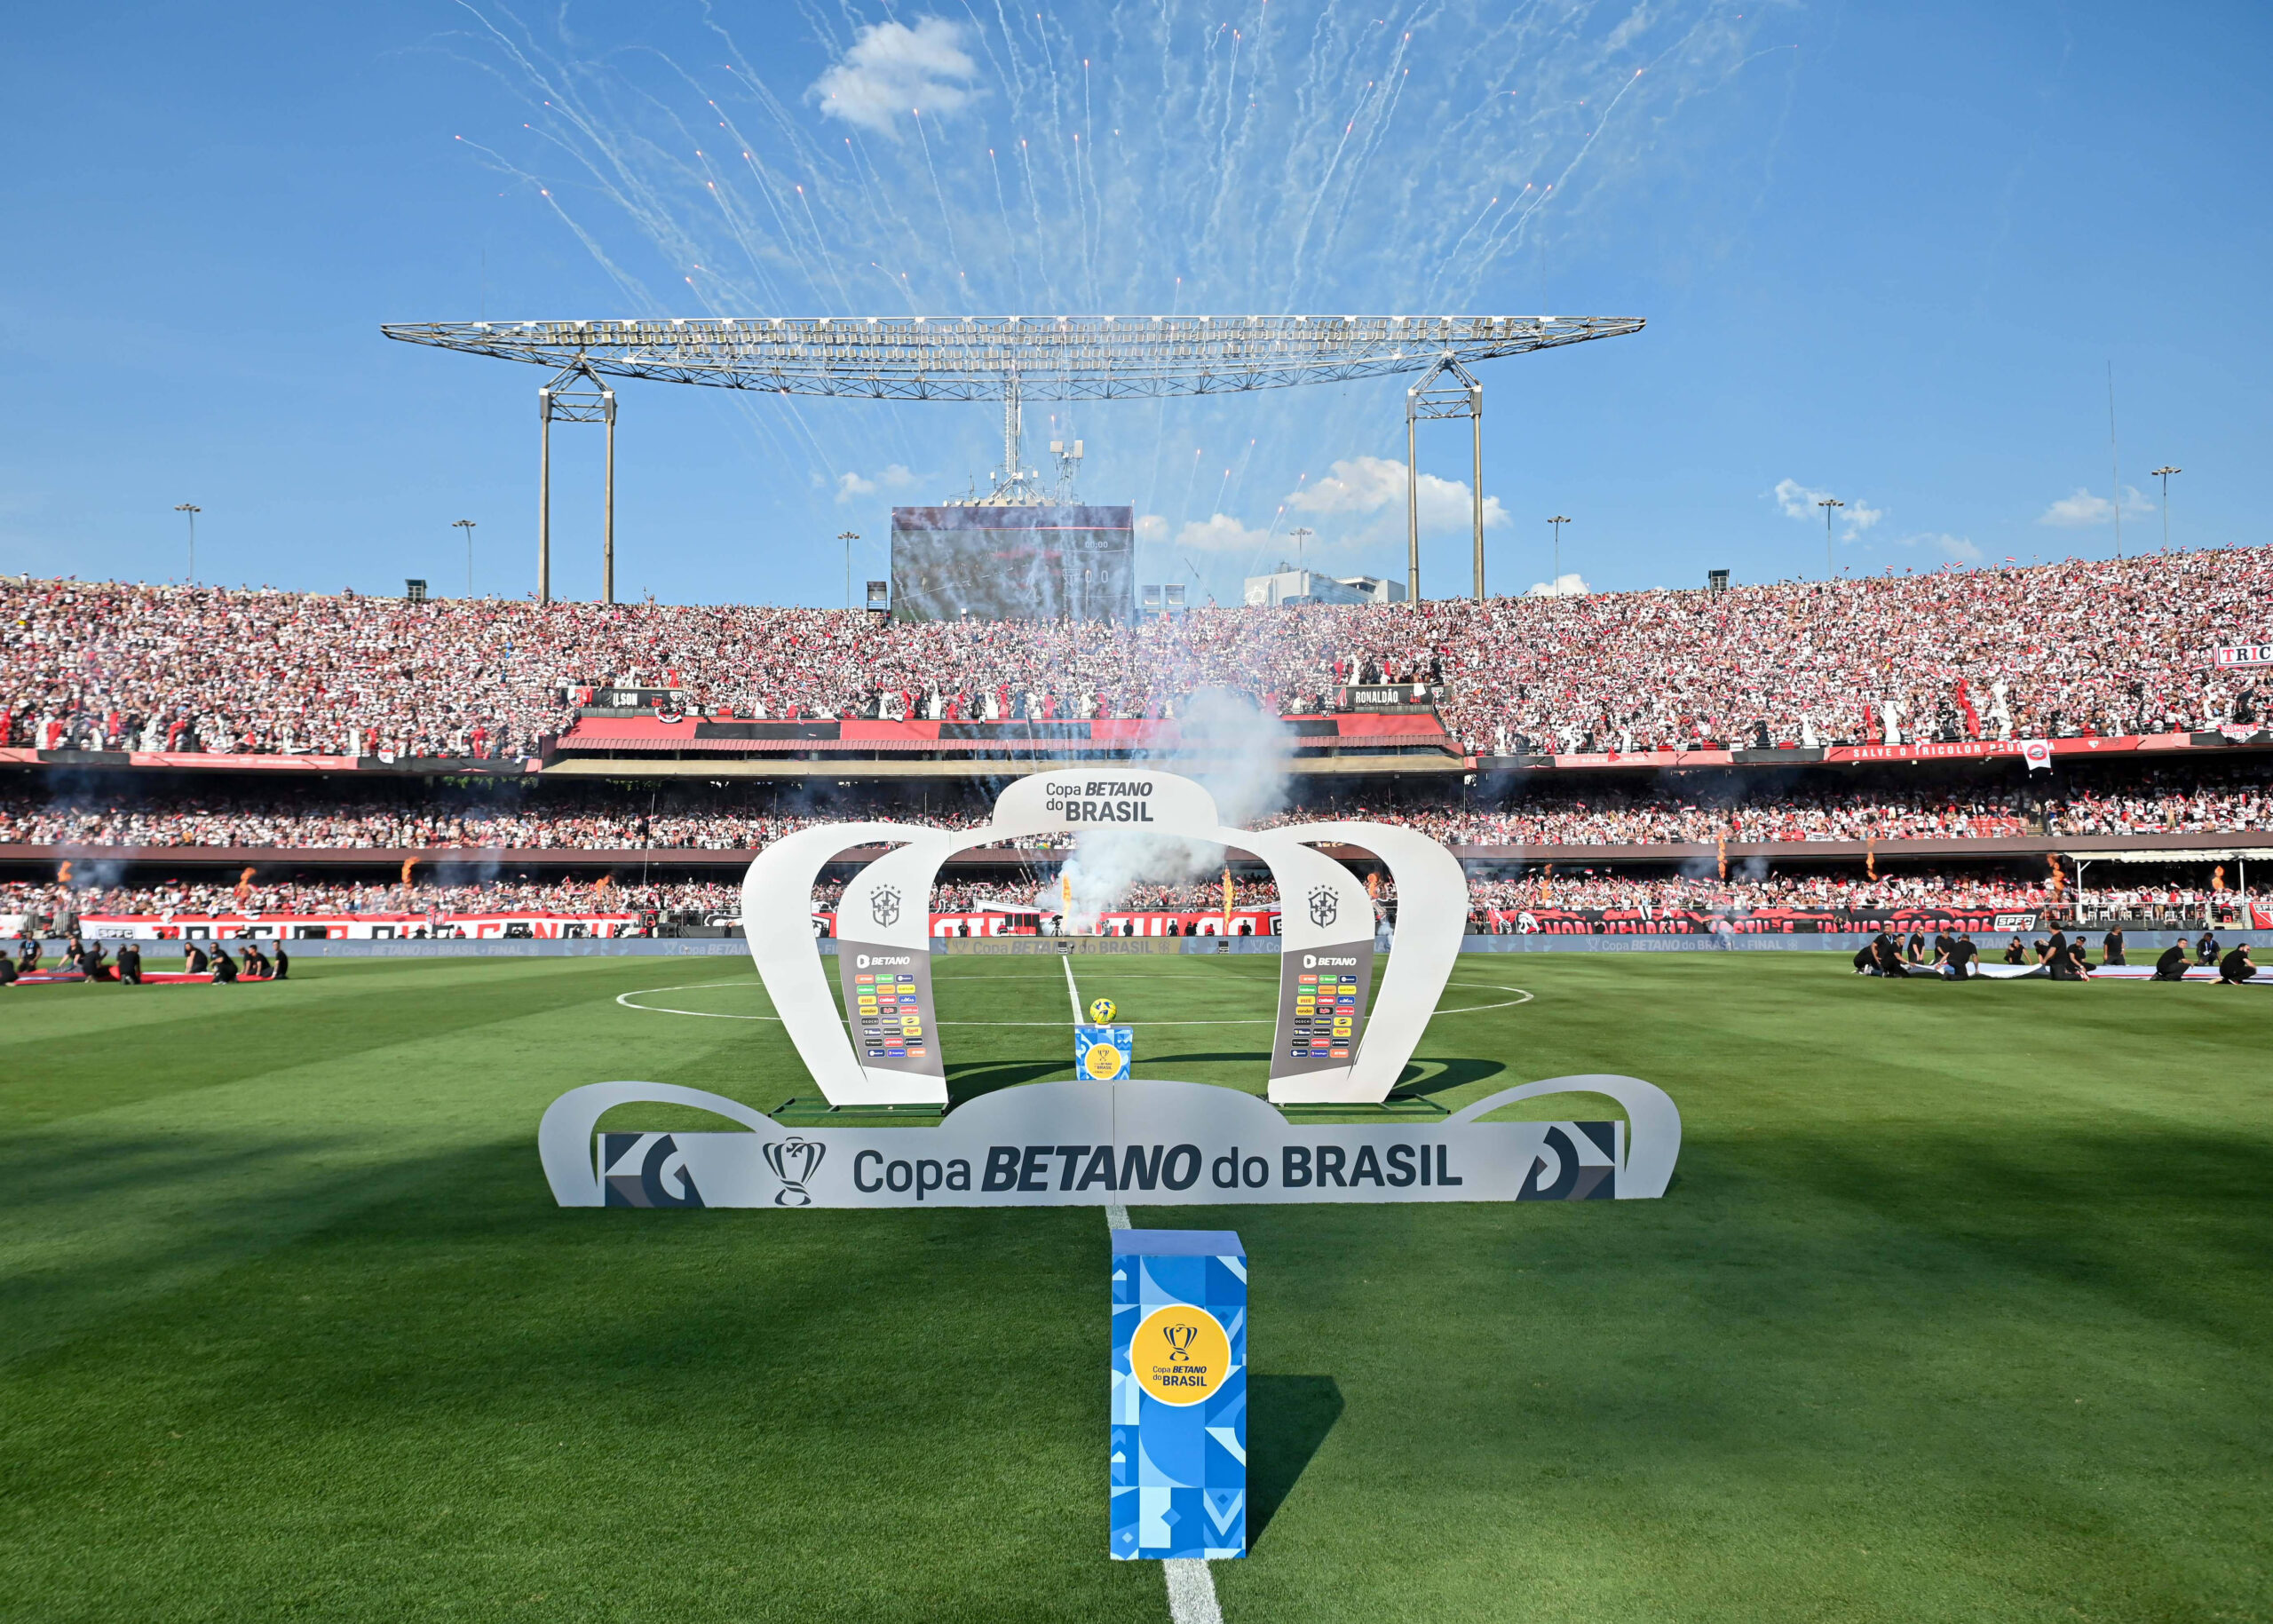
(1039, 358)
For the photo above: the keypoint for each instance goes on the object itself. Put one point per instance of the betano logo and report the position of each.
(1180, 1354)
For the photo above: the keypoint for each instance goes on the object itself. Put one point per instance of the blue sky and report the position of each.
(1886, 253)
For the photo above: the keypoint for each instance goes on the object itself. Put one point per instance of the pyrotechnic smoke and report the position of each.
(1240, 754)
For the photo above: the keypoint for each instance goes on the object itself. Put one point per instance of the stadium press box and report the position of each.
(1179, 1394)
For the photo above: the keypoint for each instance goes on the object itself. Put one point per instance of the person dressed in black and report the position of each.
(7, 970)
(129, 964)
(1963, 952)
(2172, 965)
(91, 962)
(256, 965)
(2058, 961)
(27, 956)
(2206, 951)
(2111, 948)
(2235, 968)
(2079, 959)
(1917, 951)
(1865, 963)
(193, 960)
(1888, 952)
(283, 962)
(2015, 954)
(225, 968)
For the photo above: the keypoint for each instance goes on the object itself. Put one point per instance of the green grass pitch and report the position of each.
(1957, 1308)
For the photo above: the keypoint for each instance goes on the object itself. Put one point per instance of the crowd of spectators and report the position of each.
(1493, 900)
(1701, 807)
(2073, 648)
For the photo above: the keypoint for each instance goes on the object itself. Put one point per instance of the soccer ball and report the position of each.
(1101, 1011)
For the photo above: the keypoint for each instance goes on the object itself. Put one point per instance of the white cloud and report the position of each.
(1220, 532)
(1151, 527)
(2084, 508)
(1572, 585)
(1796, 500)
(851, 484)
(1800, 501)
(892, 69)
(1375, 484)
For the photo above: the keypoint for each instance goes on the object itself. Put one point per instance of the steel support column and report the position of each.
(578, 395)
(1429, 400)
(1411, 503)
(544, 494)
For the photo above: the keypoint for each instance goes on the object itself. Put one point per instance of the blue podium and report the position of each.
(1179, 1394)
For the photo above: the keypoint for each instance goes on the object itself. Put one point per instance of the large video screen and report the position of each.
(1007, 563)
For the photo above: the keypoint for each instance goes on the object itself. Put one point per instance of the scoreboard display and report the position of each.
(1050, 562)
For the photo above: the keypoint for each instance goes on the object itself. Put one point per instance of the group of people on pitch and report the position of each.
(1950, 956)
(1953, 957)
(89, 959)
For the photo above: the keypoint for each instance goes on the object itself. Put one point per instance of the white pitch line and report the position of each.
(1191, 1591)
(1072, 991)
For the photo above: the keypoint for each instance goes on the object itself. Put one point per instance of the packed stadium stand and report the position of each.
(2080, 739)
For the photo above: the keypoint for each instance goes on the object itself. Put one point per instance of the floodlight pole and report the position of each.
(2164, 474)
(1827, 505)
(193, 511)
(1300, 533)
(1556, 579)
(848, 537)
(466, 525)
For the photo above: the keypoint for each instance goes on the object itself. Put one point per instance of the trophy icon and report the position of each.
(1179, 1339)
(794, 1162)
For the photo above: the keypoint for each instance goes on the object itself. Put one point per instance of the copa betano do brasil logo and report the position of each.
(1180, 1354)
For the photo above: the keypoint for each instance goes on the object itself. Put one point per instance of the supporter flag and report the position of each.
(2037, 753)
(1227, 899)
(1965, 704)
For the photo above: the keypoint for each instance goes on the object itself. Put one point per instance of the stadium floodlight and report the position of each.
(466, 525)
(2164, 474)
(1830, 506)
(193, 511)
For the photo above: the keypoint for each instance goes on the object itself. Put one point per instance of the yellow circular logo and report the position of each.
(1180, 1354)
(1103, 1062)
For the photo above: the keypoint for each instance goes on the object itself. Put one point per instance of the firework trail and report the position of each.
(1222, 161)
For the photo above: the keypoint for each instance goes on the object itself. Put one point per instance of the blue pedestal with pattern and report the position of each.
(1179, 1394)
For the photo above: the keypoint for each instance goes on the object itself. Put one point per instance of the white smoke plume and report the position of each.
(1241, 754)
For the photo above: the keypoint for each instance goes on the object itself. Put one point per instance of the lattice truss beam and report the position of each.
(976, 357)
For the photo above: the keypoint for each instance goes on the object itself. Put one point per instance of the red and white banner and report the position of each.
(2244, 656)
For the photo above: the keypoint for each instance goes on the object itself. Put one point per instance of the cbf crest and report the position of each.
(883, 905)
(1326, 906)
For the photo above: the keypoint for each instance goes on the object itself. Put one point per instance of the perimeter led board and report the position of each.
(1014, 563)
